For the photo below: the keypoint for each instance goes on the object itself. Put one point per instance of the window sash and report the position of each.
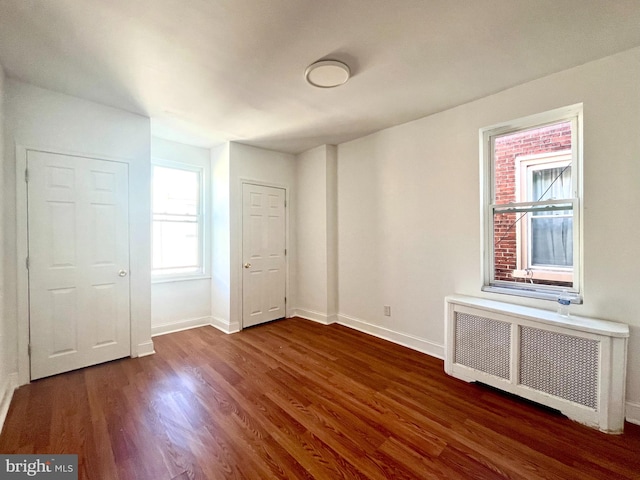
(167, 217)
(487, 137)
(527, 207)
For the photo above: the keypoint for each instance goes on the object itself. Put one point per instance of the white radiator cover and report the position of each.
(576, 365)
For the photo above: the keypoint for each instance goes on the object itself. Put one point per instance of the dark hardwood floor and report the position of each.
(294, 399)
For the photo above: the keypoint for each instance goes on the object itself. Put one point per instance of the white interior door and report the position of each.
(263, 249)
(78, 262)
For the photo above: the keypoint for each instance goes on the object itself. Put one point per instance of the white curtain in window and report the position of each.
(552, 232)
(556, 180)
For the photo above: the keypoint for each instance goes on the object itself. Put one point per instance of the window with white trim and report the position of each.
(531, 195)
(545, 238)
(177, 221)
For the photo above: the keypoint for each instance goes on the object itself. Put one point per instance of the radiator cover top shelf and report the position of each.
(576, 365)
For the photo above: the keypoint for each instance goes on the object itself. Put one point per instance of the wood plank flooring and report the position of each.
(294, 399)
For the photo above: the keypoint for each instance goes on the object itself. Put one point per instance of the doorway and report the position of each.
(263, 254)
(78, 262)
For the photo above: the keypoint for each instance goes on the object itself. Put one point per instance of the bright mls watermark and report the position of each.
(50, 467)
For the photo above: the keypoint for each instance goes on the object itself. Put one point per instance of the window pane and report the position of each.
(175, 191)
(533, 244)
(533, 250)
(175, 245)
(552, 241)
(505, 245)
(551, 184)
(534, 141)
(176, 217)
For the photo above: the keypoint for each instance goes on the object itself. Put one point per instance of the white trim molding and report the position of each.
(180, 325)
(404, 339)
(632, 413)
(220, 324)
(224, 326)
(314, 316)
(145, 349)
(6, 393)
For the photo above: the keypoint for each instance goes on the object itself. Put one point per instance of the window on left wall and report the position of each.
(177, 221)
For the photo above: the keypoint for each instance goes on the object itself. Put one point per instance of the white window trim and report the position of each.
(203, 271)
(571, 113)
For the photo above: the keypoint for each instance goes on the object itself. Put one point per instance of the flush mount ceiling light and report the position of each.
(327, 73)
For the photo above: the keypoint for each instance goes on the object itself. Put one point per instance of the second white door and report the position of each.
(263, 250)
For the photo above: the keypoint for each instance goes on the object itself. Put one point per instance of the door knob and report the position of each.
(122, 273)
(247, 265)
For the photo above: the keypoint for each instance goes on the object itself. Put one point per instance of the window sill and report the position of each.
(529, 293)
(538, 274)
(172, 279)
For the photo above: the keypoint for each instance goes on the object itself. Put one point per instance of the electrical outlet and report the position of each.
(387, 311)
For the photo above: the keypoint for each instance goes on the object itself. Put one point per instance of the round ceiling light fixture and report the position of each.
(327, 73)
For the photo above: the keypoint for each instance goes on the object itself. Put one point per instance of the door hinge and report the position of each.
(29, 349)
(285, 204)
(27, 263)
(26, 175)
(285, 299)
(285, 252)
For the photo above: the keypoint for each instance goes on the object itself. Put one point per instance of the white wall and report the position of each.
(409, 209)
(316, 220)
(39, 118)
(221, 250)
(7, 378)
(185, 303)
(333, 300)
(269, 168)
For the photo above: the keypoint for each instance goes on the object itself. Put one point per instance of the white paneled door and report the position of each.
(263, 250)
(78, 262)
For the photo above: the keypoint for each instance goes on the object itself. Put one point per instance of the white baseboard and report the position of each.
(145, 348)
(179, 325)
(632, 412)
(8, 387)
(225, 326)
(216, 322)
(410, 341)
(314, 316)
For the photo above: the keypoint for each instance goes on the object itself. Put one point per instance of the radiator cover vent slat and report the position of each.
(483, 344)
(560, 365)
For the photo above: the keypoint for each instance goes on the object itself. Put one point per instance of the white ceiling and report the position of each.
(208, 71)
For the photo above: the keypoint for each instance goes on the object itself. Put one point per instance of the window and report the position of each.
(545, 246)
(531, 194)
(177, 221)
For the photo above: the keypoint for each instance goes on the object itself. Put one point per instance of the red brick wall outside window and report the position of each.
(547, 139)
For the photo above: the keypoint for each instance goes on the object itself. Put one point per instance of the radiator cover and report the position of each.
(576, 365)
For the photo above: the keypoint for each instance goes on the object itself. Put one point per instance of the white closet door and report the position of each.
(78, 262)
(263, 250)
